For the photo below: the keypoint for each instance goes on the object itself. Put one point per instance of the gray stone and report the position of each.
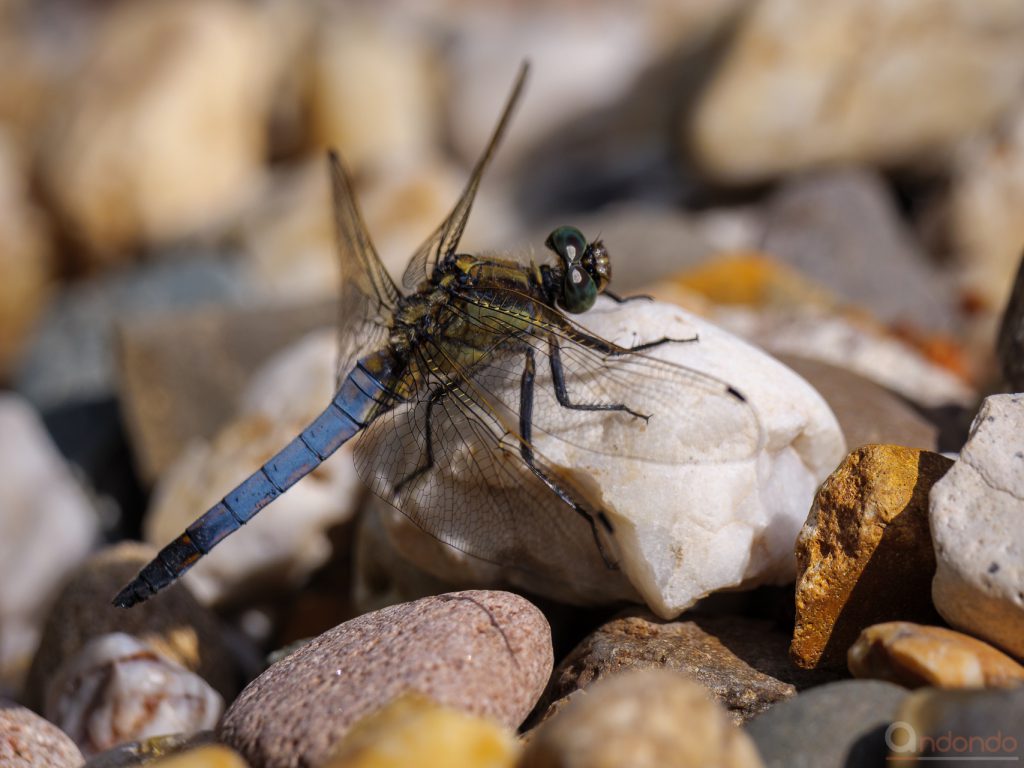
(28, 741)
(487, 653)
(839, 725)
(960, 728)
(977, 521)
(743, 663)
(71, 356)
(867, 412)
(841, 230)
(138, 753)
(1011, 335)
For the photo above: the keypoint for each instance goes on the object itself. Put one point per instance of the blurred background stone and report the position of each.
(29, 741)
(48, 525)
(1011, 335)
(163, 131)
(845, 72)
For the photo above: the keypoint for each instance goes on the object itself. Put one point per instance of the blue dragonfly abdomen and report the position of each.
(364, 394)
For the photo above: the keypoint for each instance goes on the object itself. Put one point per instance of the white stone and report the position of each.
(684, 527)
(118, 689)
(288, 540)
(834, 82)
(47, 527)
(977, 520)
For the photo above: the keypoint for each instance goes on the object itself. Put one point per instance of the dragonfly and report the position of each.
(453, 381)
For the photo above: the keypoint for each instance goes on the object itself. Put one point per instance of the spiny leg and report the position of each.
(614, 350)
(434, 399)
(624, 299)
(526, 451)
(562, 393)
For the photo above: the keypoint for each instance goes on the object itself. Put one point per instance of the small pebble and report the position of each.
(138, 753)
(865, 555)
(977, 523)
(913, 655)
(412, 730)
(642, 719)
(175, 624)
(741, 663)
(838, 725)
(118, 689)
(29, 741)
(485, 653)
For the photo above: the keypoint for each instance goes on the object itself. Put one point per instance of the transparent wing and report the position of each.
(669, 413)
(445, 238)
(368, 294)
(470, 488)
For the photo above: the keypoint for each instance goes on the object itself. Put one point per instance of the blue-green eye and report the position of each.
(568, 243)
(578, 290)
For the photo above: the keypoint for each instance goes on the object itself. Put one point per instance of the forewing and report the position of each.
(676, 415)
(368, 294)
(445, 238)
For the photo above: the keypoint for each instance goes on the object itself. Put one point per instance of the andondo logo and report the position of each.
(905, 744)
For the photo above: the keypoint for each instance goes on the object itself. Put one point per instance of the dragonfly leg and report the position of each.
(623, 299)
(562, 393)
(526, 451)
(432, 401)
(614, 350)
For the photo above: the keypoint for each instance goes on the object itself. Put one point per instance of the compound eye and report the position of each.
(578, 291)
(568, 243)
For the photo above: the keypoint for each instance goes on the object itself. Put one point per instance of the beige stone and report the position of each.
(163, 133)
(412, 730)
(913, 655)
(836, 81)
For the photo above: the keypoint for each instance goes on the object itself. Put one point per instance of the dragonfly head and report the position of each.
(587, 268)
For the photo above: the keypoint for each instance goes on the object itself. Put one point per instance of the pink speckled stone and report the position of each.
(29, 741)
(487, 653)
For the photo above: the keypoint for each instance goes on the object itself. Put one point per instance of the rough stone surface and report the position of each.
(130, 161)
(929, 721)
(1011, 334)
(839, 725)
(29, 741)
(176, 625)
(288, 541)
(47, 527)
(118, 689)
(742, 663)
(867, 413)
(486, 653)
(713, 499)
(865, 553)
(843, 71)
(642, 719)
(913, 655)
(412, 730)
(174, 391)
(842, 230)
(977, 523)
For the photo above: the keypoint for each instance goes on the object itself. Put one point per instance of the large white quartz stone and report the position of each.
(720, 509)
(976, 513)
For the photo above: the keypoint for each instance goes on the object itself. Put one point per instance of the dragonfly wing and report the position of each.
(445, 238)
(671, 413)
(451, 465)
(368, 294)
